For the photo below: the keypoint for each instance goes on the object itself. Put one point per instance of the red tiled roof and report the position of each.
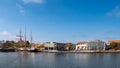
(79, 43)
(115, 41)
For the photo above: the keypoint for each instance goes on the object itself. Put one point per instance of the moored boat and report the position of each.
(7, 50)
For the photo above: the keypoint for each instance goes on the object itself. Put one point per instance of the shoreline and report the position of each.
(56, 51)
(92, 51)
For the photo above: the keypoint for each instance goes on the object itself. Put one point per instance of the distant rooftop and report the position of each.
(79, 43)
(115, 41)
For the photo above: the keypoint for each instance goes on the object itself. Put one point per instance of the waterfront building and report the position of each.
(7, 44)
(91, 45)
(96, 45)
(55, 46)
(81, 46)
(114, 41)
(117, 42)
(1, 42)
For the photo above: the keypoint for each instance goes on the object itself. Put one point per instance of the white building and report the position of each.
(96, 45)
(1, 43)
(81, 46)
(55, 46)
(91, 45)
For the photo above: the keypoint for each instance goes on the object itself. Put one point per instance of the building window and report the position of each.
(77, 47)
(51, 48)
(46, 48)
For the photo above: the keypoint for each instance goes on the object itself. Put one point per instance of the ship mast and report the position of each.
(25, 34)
(20, 35)
(31, 38)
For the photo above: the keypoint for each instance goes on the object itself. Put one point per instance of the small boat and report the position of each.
(35, 50)
(7, 50)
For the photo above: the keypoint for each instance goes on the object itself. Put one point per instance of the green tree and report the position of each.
(69, 47)
(113, 45)
(15, 45)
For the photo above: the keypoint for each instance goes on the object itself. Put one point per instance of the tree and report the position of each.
(69, 47)
(15, 45)
(113, 45)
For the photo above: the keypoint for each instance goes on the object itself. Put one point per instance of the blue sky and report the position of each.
(60, 20)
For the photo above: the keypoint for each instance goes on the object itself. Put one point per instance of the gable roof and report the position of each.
(115, 41)
(80, 43)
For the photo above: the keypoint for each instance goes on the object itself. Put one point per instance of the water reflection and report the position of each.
(59, 60)
(103, 60)
(25, 55)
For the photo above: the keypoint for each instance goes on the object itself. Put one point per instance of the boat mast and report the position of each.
(31, 38)
(25, 34)
(20, 35)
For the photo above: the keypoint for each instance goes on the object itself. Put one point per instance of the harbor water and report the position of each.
(59, 60)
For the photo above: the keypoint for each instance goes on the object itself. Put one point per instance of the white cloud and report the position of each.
(20, 8)
(115, 12)
(34, 1)
(12, 37)
(5, 33)
(7, 36)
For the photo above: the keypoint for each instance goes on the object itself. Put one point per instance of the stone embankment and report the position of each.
(84, 51)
